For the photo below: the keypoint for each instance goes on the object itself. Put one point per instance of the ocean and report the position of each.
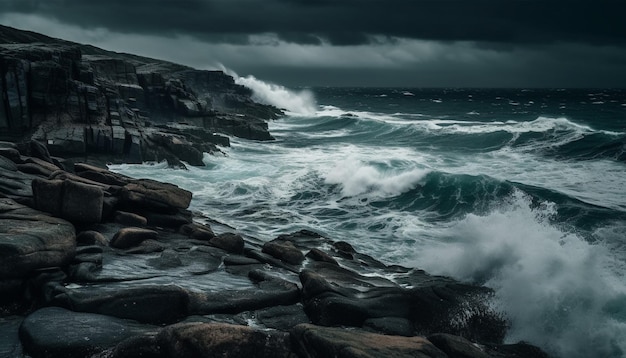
(520, 190)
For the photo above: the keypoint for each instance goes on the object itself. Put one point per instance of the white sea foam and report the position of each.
(356, 177)
(558, 291)
(295, 102)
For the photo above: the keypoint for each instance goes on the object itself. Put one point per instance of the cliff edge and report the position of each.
(84, 101)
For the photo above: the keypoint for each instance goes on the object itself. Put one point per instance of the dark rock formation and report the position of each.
(55, 332)
(313, 341)
(30, 240)
(129, 237)
(222, 340)
(284, 250)
(230, 242)
(79, 100)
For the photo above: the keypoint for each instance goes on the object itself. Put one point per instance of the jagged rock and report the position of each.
(229, 242)
(284, 250)
(313, 341)
(58, 333)
(224, 340)
(129, 237)
(30, 239)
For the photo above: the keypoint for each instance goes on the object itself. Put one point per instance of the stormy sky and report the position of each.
(410, 43)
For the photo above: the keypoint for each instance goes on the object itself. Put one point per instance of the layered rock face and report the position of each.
(80, 100)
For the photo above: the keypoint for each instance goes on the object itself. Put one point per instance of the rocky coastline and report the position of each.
(97, 264)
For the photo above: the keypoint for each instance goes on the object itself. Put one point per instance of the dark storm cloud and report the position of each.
(349, 22)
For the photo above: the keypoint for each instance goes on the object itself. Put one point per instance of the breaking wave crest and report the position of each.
(558, 290)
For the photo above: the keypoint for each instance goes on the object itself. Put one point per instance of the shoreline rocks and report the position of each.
(136, 263)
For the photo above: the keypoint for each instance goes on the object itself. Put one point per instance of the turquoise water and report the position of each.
(519, 190)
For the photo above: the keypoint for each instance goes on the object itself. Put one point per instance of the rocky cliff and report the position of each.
(81, 100)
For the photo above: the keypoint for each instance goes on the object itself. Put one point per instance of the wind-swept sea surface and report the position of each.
(523, 191)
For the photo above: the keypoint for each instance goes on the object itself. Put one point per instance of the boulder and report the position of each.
(30, 240)
(58, 333)
(222, 340)
(313, 341)
(229, 242)
(131, 236)
(284, 250)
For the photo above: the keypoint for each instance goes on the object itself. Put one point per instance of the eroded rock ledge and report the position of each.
(84, 101)
(98, 264)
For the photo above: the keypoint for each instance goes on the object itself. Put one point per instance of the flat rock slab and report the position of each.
(314, 341)
(150, 304)
(149, 192)
(56, 332)
(30, 240)
(223, 340)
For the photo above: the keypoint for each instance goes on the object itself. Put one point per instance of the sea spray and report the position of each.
(356, 178)
(556, 289)
(295, 102)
